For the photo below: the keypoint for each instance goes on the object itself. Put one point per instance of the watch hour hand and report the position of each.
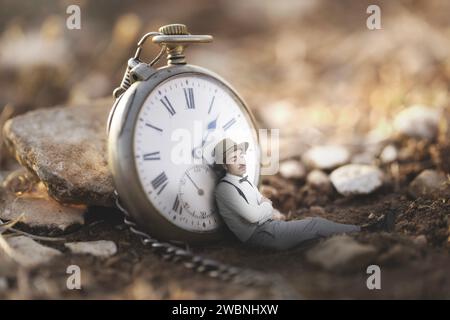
(211, 126)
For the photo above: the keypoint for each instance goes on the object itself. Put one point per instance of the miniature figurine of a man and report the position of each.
(250, 215)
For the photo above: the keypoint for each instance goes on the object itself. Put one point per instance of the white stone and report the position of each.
(292, 169)
(356, 179)
(417, 122)
(326, 157)
(100, 248)
(341, 253)
(30, 253)
(389, 154)
(318, 179)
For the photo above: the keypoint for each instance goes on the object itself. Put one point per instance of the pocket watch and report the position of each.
(162, 129)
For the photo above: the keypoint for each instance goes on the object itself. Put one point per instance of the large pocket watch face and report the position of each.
(176, 130)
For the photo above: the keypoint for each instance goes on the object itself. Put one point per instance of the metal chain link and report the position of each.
(209, 267)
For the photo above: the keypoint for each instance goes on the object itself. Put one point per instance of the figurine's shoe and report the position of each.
(390, 221)
(385, 222)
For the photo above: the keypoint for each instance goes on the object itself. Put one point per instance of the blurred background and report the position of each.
(310, 67)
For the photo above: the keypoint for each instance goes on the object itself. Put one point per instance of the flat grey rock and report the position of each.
(354, 179)
(8, 267)
(3, 284)
(398, 254)
(30, 253)
(66, 149)
(100, 248)
(341, 253)
(41, 211)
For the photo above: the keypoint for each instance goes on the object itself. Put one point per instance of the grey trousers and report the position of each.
(281, 235)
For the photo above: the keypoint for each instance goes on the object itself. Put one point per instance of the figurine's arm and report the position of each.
(230, 198)
(261, 197)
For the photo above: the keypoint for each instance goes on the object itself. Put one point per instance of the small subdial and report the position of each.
(197, 191)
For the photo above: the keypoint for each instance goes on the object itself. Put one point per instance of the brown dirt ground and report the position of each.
(409, 270)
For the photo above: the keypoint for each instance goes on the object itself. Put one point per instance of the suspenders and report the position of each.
(237, 188)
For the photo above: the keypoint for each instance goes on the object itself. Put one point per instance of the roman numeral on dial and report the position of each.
(189, 96)
(211, 104)
(153, 127)
(160, 182)
(227, 125)
(177, 205)
(168, 105)
(152, 156)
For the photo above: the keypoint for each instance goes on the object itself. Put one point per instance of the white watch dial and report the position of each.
(177, 128)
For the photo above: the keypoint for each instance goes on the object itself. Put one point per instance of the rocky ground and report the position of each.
(404, 175)
(365, 130)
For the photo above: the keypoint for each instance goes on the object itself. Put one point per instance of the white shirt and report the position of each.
(241, 217)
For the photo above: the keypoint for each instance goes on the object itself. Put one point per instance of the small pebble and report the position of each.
(100, 248)
(389, 154)
(326, 157)
(292, 169)
(356, 179)
(430, 184)
(319, 180)
(418, 122)
(420, 240)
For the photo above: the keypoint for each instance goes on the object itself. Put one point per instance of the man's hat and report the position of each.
(226, 147)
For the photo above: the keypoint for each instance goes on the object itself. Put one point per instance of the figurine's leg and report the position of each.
(282, 235)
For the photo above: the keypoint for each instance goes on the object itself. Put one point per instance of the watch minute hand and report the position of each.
(199, 190)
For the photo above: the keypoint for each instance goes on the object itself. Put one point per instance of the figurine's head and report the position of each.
(231, 156)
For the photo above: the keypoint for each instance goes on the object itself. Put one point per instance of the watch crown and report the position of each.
(175, 37)
(174, 29)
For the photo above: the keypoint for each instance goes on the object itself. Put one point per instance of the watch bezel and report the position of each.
(122, 163)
